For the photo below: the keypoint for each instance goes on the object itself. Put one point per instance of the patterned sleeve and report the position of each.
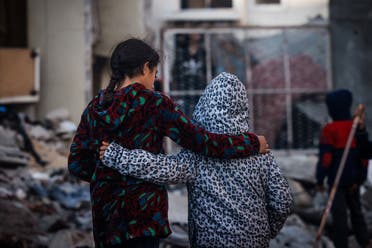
(325, 155)
(156, 168)
(279, 198)
(177, 126)
(81, 160)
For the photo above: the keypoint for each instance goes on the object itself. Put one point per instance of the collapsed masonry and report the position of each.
(41, 205)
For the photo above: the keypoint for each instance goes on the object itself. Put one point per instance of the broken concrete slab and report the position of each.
(66, 129)
(57, 115)
(12, 156)
(297, 166)
(301, 197)
(296, 233)
(71, 196)
(49, 154)
(71, 238)
(19, 220)
(8, 137)
(39, 132)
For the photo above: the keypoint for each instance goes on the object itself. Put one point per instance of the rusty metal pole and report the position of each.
(337, 180)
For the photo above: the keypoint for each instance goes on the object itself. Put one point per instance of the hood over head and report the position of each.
(112, 116)
(339, 104)
(223, 107)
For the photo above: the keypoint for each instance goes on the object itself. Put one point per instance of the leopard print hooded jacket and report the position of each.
(232, 203)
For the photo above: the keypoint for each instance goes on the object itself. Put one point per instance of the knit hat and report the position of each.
(339, 104)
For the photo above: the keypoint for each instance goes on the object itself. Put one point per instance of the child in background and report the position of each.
(332, 144)
(233, 203)
(129, 212)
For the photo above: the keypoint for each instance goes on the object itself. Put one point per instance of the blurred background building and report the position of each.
(54, 57)
(287, 52)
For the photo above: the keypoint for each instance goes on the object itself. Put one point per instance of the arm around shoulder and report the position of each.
(177, 126)
(156, 168)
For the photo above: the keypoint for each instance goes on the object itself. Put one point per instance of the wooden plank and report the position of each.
(17, 69)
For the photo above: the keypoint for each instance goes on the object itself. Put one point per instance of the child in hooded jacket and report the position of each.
(233, 203)
(130, 212)
(332, 144)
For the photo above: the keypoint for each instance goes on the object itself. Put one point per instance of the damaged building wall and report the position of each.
(288, 12)
(118, 20)
(351, 34)
(249, 12)
(62, 32)
(57, 28)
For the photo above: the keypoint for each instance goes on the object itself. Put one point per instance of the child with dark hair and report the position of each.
(231, 202)
(332, 144)
(129, 212)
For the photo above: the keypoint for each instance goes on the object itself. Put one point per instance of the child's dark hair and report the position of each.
(339, 104)
(128, 60)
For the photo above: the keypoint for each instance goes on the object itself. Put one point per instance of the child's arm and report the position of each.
(81, 160)
(160, 169)
(177, 126)
(325, 156)
(279, 198)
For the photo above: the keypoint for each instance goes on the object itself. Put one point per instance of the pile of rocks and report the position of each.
(41, 205)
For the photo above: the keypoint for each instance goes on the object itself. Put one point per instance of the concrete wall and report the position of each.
(57, 29)
(119, 20)
(351, 35)
(289, 12)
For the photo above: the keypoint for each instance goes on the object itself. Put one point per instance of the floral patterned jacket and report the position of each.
(125, 207)
(232, 203)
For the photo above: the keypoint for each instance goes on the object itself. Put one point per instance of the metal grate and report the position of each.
(286, 72)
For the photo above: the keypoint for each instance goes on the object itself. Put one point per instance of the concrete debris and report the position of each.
(10, 153)
(41, 206)
(58, 115)
(295, 234)
(300, 195)
(71, 238)
(8, 137)
(298, 166)
(12, 156)
(39, 132)
(66, 127)
(71, 196)
(49, 153)
(47, 207)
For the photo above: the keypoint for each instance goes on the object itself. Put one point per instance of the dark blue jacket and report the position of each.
(333, 140)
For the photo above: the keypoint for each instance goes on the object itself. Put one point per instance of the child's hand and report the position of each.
(264, 147)
(102, 149)
(360, 111)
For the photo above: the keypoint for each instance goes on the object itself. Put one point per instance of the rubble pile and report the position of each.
(41, 205)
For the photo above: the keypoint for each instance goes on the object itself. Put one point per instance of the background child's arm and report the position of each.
(81, 160)
(177, 126)
(156, 168)
(325, 156)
